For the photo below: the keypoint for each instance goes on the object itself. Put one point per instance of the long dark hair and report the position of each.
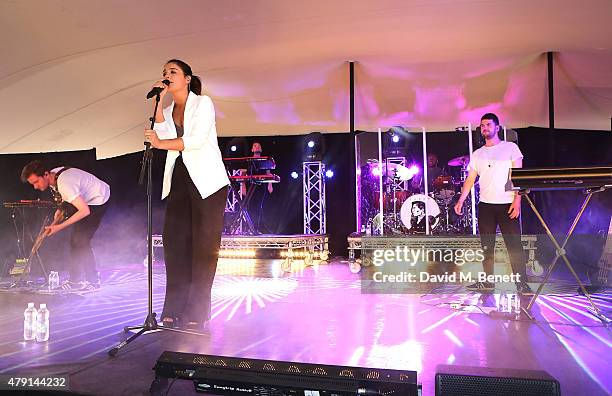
(195, 85)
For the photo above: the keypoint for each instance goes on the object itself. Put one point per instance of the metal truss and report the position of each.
(315, 244)
(399, 185)
(232, 199)
(301, 247)
(314, 198)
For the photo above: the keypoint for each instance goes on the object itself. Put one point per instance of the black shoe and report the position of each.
(481, 287)
(197, 326)
(524, 289)
(171, 322)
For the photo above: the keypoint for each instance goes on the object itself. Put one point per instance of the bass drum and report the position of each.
(415, 209)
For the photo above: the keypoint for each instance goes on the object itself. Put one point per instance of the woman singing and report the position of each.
(195, 182)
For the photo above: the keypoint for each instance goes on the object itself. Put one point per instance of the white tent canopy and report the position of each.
(74, 73)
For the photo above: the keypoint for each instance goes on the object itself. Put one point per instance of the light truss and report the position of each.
(314, 198)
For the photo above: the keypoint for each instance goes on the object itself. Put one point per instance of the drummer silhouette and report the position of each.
(433, 172)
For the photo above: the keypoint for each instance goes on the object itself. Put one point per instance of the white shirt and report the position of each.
(201, 155)
(493, 167)
(74, 182)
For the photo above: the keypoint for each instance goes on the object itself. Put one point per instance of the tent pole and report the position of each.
(551, 93)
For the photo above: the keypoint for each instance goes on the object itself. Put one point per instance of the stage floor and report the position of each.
(315, 315)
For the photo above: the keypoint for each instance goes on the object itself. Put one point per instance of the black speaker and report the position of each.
(483, 381)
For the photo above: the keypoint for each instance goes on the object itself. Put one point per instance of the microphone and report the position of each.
(157, 90)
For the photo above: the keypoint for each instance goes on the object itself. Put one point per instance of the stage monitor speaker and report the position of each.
(483, 381)
(221, 375)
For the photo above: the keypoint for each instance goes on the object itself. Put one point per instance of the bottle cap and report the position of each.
(30, 305)
(43, 306)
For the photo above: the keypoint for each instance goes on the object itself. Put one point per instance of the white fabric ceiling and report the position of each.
(74, 73)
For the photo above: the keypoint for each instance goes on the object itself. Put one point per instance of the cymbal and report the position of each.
(459, 161)
(386, 169)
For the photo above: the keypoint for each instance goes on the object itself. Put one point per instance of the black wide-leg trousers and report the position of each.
(192, 237)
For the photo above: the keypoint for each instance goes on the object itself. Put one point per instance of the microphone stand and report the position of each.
(150, 323)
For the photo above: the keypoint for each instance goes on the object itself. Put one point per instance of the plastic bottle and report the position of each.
(29, 322)
(516, 308)
(42, 324)
(503, 303)
(53, 280)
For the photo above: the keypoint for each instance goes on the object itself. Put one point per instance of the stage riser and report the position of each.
(286, 245)
(362, 246)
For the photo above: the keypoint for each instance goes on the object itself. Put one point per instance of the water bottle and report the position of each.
(516, 308)
(42, 324)
(29, 322)
(53, 280)
(503, 303)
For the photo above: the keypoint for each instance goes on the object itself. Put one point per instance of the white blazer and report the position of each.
(201, 155)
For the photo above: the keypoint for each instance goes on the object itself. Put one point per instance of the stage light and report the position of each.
(329, 173)
(405, 174)
(313, 147)
(294, 175)
(395, 141)
(237, 253)
(376, 170)
(236, 147)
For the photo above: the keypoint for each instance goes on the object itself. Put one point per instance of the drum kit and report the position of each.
(404, 209)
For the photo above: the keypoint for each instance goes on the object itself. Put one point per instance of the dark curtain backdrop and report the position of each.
(122, 236)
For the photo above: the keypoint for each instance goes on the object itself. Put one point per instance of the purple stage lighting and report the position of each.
(294, 175)
(329, 173)
(375, 170)
(414, 169)
(311, 143)
(395, 138)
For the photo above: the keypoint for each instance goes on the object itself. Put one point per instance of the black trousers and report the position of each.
(192, 236)
(256, 208)
(489, 217)
(82, 259)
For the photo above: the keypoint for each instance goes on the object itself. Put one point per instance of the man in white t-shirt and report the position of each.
(499, 205)
(87, 196)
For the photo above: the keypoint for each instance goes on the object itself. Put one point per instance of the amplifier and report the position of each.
(483, 381)
(223, 375)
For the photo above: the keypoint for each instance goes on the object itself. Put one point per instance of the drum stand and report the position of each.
(561, 253)
(448, 227)
(396, 223)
